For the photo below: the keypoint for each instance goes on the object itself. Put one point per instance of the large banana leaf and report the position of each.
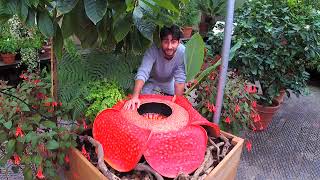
(194, 56)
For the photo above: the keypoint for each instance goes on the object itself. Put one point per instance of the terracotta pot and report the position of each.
(8, 58)
(82, 169)
(187, 31)
(266, 113)
(203, 28)
(281, 96)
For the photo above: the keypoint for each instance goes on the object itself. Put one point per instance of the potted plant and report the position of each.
(213, 11)
(30, 46)
(8, 48)
(239, 106)
(29, 133)
(189, 16)
(278, 41)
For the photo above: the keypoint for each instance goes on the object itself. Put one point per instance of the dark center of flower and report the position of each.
(154, 110)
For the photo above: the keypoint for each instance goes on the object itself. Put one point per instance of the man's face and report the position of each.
(169, 46)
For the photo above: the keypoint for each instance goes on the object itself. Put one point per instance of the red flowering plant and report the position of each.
(30, 136)
(239, 101)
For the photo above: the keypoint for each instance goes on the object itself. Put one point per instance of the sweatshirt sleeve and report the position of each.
(146, 65)
(180, 73)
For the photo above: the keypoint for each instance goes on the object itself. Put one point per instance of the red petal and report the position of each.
(123, 143)
(195, 116)
(177, 151)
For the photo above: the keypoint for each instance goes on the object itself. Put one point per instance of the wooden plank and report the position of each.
(227, 168)
(81, 168)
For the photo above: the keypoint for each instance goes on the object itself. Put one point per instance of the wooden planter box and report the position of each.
(82, 169)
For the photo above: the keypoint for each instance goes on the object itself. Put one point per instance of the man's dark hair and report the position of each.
(174, 30)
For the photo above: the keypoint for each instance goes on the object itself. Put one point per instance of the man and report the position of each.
(161, 68)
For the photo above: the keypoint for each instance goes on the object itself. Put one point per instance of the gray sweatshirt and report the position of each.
(156, 69)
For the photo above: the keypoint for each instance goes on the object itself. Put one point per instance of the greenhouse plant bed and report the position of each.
(81, 168)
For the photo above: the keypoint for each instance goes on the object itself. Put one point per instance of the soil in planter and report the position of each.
(210, 161)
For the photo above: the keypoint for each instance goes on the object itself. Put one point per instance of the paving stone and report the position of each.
(289, 148)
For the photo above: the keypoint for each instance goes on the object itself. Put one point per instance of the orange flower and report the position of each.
(207, 88)
(18, 109)
(19, 132)
(254, 104)
(237, 109)
(54, 104)
(227, 120)
(16, 159)
(253, 115)
(249, 146)
(23, 76)
(67, 159)
(84, 124)
(256, 118)
(251, 89)
(40, 95)
(210, 107)
(47, 104)
(35, 82)
(40, 174)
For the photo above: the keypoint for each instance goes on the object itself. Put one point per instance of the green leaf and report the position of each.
(49, 124)
(13, 103)
(65, 6)
(37, 160)
(203, 74)
(145, 26)
(194, 56)
(8, 124)
(68, 25)
(34, 141)
(139, 42)
(29, 136)
(19, 148)
(234, 49)
(52, 144)
(12, 6)
(65, 136)
(58, 42)
(27, 173)
(95, 9)
(122, 26)
(11, 146)
(130, 5)
(24, 108)
(36, 118)
(3, 136)
(23, 11)
(31, 3)
(167, 4)
(45, 24)
(30, 21)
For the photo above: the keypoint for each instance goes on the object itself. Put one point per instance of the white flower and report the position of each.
(307, 27)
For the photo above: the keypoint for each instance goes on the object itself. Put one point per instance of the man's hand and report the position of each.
(174, 98)
(132, 104)
(178, 89)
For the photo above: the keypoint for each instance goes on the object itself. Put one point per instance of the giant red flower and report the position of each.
(174, 142)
